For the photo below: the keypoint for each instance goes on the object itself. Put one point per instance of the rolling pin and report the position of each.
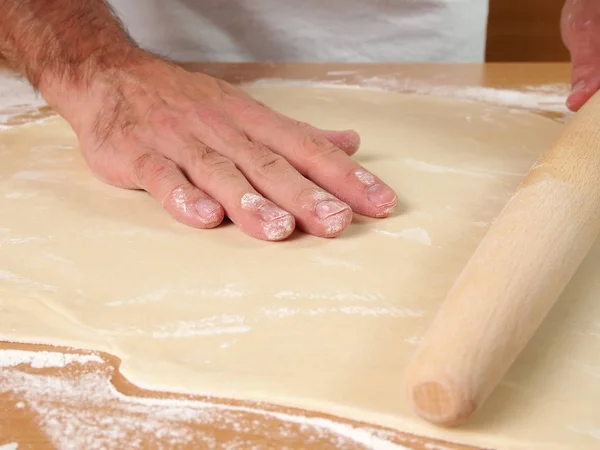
(514, 277)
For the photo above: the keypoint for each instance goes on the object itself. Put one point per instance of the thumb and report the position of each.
(585, 82)
(580, 21)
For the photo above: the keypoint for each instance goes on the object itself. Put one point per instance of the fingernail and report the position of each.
(269, 213)
(381, 195)
(334, 214)
(328, 208)
(208, 210)
(365, 177)
(279, 228)
(277, 223)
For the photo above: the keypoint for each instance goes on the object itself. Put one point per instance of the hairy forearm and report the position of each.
(63, 41)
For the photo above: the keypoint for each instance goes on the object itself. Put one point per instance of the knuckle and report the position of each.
(211, 161)
(148, 168)
(265, 162)
(316, 148)
(302, 125)
(308, 197)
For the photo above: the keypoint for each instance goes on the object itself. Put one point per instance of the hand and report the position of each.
(580, 28)
(205, 149)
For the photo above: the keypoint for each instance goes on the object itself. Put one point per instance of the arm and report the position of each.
(201, 147)
(63, 41)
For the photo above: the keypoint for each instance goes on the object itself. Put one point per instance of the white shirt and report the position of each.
(309, 30)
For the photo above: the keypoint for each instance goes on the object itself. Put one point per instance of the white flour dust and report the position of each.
(228, 291)
(341, 296)
(10, 446)
(336, 262)
(40, 360)
(472, 172)
(418, 235)
(378, 311)
(548, 97)
(18, 98)
(106, 418)
(208, 326)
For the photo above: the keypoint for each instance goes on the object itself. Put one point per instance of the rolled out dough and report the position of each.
(327, 325)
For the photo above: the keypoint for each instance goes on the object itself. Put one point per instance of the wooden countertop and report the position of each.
(19, 423)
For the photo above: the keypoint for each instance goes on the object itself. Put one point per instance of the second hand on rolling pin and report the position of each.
(514, 277)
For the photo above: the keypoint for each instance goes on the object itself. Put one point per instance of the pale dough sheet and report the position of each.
(326, 325)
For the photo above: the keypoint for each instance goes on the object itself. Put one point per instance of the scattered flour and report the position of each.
(18, 98)
(341, 296)
(25, 283)
(42, 360)
(11, 446)
(107, 419)
(549, 97)
(228, 291)
(379, 311)
(419, 235)
(473, 172)
(335, 262)
(413, 340)
(208, 326)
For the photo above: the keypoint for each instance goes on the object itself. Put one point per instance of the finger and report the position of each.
(348, 140)
(221, 179)
(326, 165)
(317, 212)
(162, 178)
(578, 29)
(586, 83)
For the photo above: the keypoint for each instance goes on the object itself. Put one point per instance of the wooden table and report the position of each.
(19, 424)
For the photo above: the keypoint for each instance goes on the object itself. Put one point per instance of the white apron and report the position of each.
(309, 30)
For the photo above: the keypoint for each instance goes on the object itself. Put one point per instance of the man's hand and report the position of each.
(199, 146)
(580, 28)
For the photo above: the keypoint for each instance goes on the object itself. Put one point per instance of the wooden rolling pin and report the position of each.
(514, 277)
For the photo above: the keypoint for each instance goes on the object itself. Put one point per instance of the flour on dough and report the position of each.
(327, 325)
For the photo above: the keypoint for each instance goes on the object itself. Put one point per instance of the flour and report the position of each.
(251, 201)
(549, 97)
(365, 177)
(381, 311)
(43, 360)
(25, 283)
(473, 172)
(107, 419)
(341, 296)
(419, 235)
(11, 446)
(205, 327)
(334, 262)
(230, 290)
(276, 223)
(17, 98)
(37, 175)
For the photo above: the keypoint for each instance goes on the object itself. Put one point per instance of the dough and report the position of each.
(327, 325)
